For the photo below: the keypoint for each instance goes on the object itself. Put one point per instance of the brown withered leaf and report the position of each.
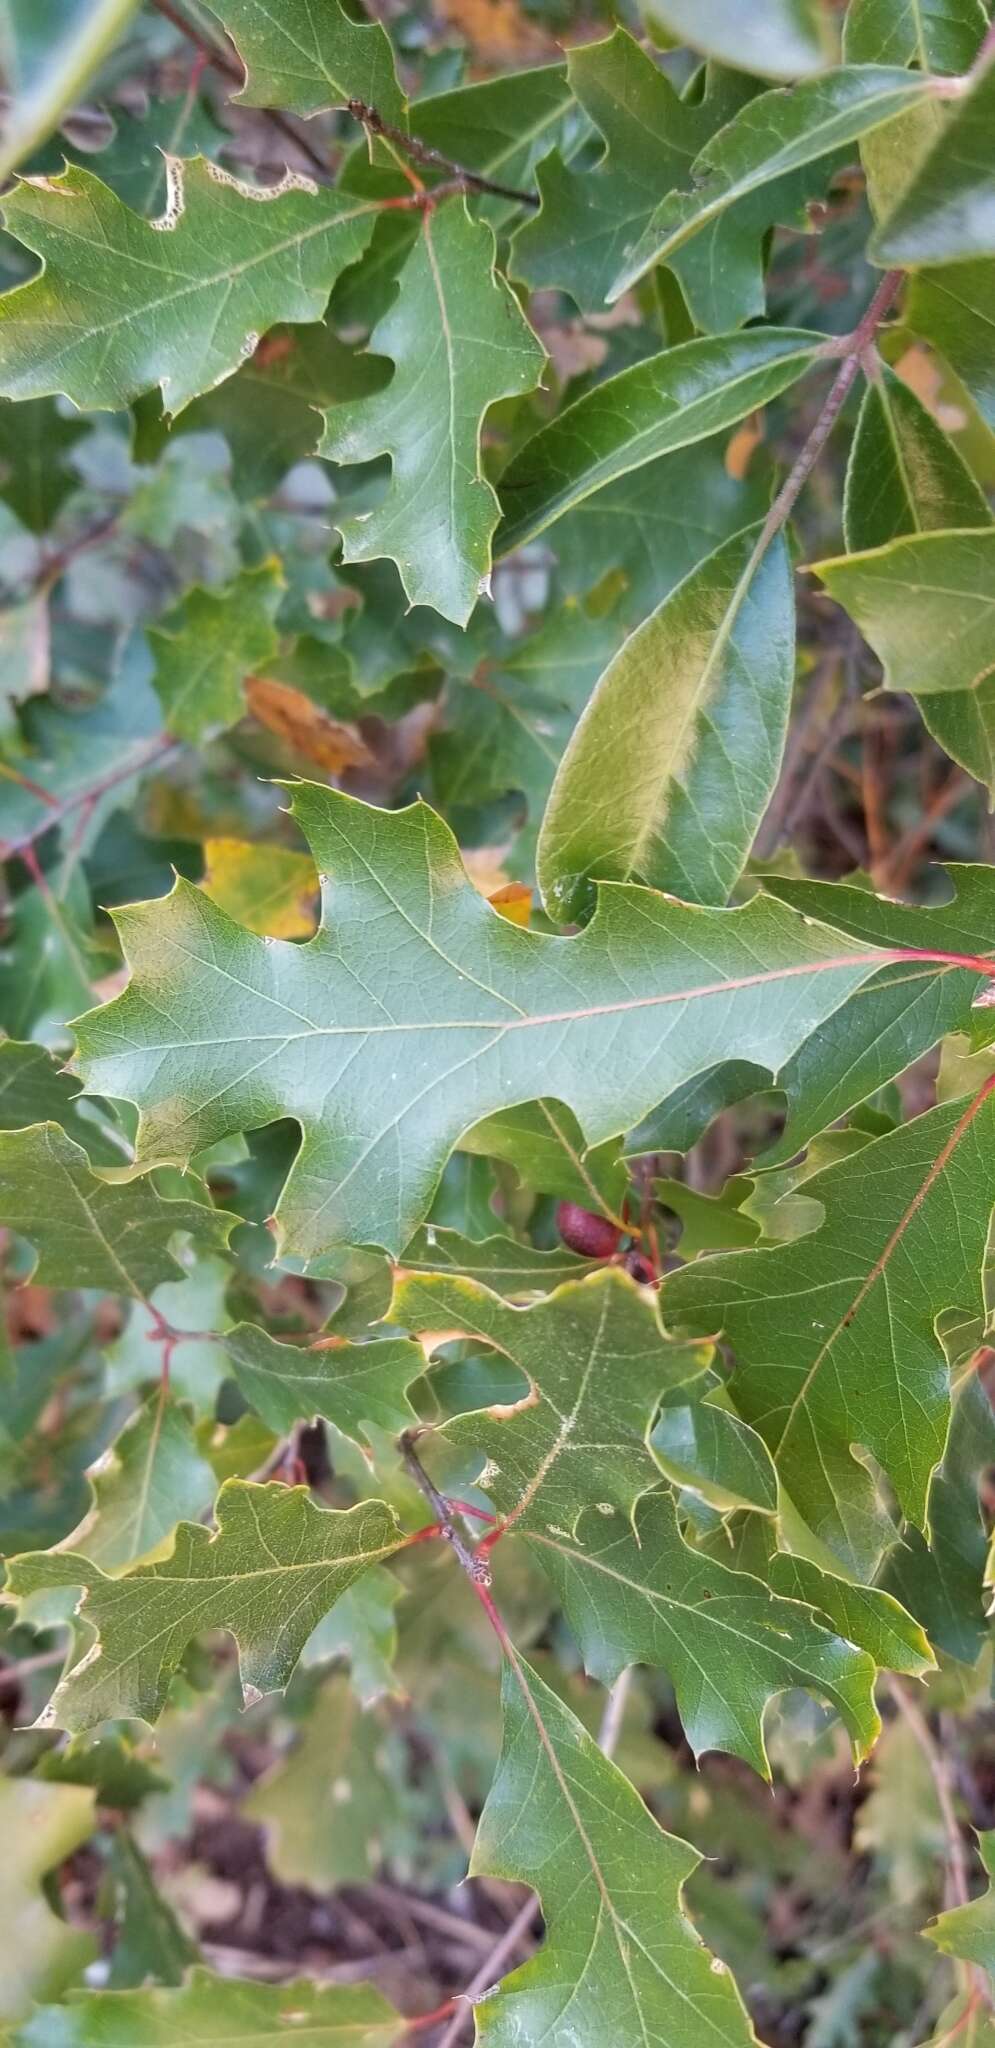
(304, 727)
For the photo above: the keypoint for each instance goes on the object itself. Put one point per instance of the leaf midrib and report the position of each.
(498, 1026)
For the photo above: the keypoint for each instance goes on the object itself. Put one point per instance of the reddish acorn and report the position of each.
(592, 1236)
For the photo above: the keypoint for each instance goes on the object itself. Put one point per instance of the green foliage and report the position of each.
(459, 343)
(267, 1539)
(92, 1231)
(307, 61)
(906, 1223)
(206, 2004)
(763, 143)
(42, 1825)
(563, 1818)
(968, 1932)
(494, 1015)
(934, 587)
(669, 402)
(691, 816)
(497, 1105)
(184, 301)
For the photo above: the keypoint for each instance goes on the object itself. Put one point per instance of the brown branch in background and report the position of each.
(490, 1970)
(58, 809)
(958, 1889)
(459, 177)
(433, 159)
(896, 869)
(875, 780)
(851, 349)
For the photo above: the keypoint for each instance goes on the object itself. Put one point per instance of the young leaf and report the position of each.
(91, 1232)
(966, 918)
(274, 1567)
(635, 1593)
(968, 1932)
(768, 138)
(834, 1333)
(329, 1807)
(904, 475)
(898, 1015)
(778, 38)
(205, 649)
(150, 1478)
(207, 2010)
(702, 1445)
(651, 993)
(926, 605)
(597, 1362)
(865, 1615)
(42, 1825)
(947, 213)
(543, 1144)
(955, 309)
(512, 1270)
(689, 718)
(349, 1384)
(178, 304)
(673, 399)
(459, 343)
(311, 59)
(620, 1961)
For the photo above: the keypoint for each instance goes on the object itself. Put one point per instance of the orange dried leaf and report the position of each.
(304, 727)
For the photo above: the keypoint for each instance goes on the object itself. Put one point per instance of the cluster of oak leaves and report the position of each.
(291, 481)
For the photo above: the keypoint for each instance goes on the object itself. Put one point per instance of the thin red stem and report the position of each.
(974, 962)
(432, 2019)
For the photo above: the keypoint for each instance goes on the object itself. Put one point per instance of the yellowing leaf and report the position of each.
(42, 1824)
(266, 888)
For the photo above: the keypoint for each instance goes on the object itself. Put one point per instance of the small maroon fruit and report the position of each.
(593, 1236)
